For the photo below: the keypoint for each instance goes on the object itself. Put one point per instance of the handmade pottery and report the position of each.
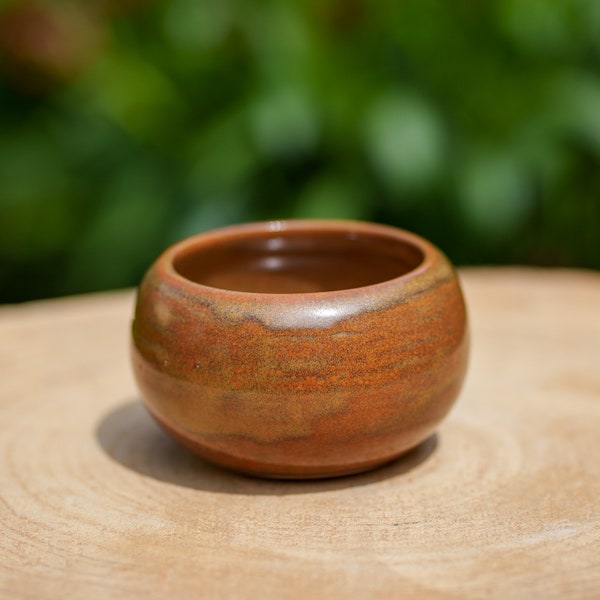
(299, 349)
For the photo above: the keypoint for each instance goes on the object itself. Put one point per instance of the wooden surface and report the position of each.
(504, 502)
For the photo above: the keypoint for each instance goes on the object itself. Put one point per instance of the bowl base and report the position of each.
(327, 474)
(273, 471)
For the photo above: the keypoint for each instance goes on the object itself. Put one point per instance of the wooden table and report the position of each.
(504, 502)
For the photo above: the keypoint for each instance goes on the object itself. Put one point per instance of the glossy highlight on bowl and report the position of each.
(299, 349)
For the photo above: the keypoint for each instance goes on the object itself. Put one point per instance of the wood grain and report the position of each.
(503, 502)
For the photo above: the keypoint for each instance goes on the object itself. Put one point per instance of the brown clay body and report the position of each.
(300, 349)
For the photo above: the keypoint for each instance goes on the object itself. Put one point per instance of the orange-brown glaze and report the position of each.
(282, 382)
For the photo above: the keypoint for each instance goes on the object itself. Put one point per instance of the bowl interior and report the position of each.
(296, 261)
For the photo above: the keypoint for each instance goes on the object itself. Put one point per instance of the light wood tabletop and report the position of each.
(503, 502)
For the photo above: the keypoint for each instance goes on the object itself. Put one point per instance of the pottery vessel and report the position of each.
(300, 349)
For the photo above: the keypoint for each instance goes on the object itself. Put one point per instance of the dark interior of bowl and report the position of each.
(290, 262)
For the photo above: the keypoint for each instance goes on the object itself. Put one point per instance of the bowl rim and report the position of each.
(165, 264)
(301, 310)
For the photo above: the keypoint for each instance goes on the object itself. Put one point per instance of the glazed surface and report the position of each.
(301, 384)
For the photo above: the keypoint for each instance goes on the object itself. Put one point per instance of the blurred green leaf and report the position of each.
(331, 197)
(134, 93)
(129, 228)
(194, 27)
(36, 217)
(209, 212)
(283, 123)
(495, 194)
(405, 141)
(220, 156)
(576, 107)
(279, 39)
(540, 27)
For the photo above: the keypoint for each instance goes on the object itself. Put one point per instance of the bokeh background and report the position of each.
(126, 125)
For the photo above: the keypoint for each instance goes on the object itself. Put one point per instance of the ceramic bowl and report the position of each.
(300, 349)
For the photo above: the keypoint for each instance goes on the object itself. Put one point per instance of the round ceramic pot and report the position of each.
(299, 349)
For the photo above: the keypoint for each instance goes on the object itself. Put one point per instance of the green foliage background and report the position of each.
(125, 126)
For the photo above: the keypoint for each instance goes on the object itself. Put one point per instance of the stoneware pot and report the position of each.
(300, 349)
